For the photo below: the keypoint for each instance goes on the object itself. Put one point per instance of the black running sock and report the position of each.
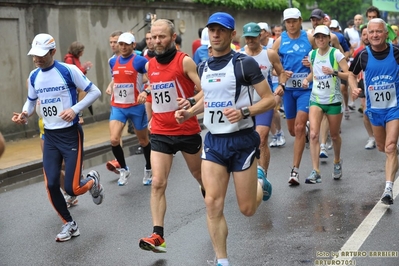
(119, 155)
(158, 230)
(147, 152)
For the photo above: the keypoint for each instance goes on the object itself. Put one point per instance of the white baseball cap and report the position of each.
(334, 24)
(323, 29)
(127, 38)
(205, 36)
(292, 13)
(264, 26)
(41, 44)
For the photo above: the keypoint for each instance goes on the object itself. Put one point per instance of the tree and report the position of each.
(341, 10)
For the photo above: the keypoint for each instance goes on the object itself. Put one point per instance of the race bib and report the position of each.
(164, 97)
(382, 96)
(214, 119)
(124, 93)
(50, 109)
(295, 81)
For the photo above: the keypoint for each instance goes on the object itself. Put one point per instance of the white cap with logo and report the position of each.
(41, 44)
(292, 13)
(127, 38)
(323, 29)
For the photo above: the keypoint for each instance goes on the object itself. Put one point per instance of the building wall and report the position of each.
(91, 23)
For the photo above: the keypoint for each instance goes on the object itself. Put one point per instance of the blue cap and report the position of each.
(223, 19)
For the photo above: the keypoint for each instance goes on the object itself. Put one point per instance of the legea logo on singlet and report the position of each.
(52, 100)
(161, 86)
(218, 104)
(381, 87)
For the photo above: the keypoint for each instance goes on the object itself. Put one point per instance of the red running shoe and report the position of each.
(154, 243)
(113, 166)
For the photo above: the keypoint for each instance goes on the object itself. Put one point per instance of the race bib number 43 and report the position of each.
(124, 93)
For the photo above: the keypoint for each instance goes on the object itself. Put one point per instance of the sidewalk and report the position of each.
(25, 151)
(22, 159)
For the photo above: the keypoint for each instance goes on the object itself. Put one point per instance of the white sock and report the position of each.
(389, 185)
(223, 262)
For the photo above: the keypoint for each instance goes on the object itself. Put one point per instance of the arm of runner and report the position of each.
(278, 70)
(190, 69)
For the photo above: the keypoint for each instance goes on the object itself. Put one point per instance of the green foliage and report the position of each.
(247, 4)
(341, 10)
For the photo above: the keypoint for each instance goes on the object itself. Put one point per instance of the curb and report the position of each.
(12, 175)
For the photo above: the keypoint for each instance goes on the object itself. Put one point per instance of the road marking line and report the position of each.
(360, 235)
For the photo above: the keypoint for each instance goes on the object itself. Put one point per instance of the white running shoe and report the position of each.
(123, 176)
(323, 152)
(294, 178)
(69, 230)
(370, 144)
(273, 143)
(347, 114)
(71, 200)
(147, 179)
(97, 190)
(387, 197)
(280, 139)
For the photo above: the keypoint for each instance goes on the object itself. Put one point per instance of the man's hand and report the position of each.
(183, 103)
(356, 92)
(68, 115)
(20, 118)
(233, 115)
(182, 115)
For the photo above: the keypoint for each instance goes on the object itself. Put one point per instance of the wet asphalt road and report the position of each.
(297, 226)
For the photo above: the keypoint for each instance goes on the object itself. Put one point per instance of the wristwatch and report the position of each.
(147, 91)
(335, 73)
(245, 112)
(282, 85)
(192, 101)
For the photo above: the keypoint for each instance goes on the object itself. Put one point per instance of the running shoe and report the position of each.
(71, 200)
(154, 243)
(323, 152)
(273, 143)
(113, 166)
(280, 139)
(123, 176)
(147, 179)
(337, 174)
(313, 178)
(370, 144)
(69, 230)
(352, 107)
(387, 197)
(346, 114)
(294, 178)
(97, 190)
(267, 186)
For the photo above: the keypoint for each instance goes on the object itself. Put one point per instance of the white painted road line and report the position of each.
(365, 228)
